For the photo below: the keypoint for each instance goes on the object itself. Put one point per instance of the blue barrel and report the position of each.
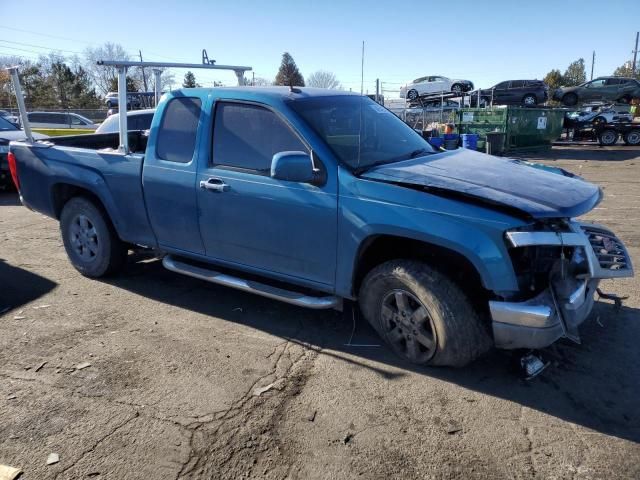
(470, 141)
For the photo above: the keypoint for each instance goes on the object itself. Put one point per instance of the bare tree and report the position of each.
(104, 77)
(323, 79)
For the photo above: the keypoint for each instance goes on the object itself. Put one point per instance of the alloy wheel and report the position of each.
(407, 326)
(84, 238)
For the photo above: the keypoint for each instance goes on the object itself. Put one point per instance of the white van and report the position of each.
(59, 120)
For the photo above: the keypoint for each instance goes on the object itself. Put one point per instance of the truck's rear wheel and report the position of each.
(92, 245)
(422, 315)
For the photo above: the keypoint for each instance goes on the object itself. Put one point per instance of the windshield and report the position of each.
(7, 125)
(360, 132)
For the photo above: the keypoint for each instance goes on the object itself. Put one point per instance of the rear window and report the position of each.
(178, 129)
(517, 83)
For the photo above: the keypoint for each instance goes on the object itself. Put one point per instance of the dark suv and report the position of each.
(607, 89)
(513, 92)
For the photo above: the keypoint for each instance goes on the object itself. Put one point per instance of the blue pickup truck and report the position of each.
(313, 197)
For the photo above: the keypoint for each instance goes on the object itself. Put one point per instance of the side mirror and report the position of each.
(292, 166)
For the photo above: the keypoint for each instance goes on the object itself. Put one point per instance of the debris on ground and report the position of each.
(11, 396)
(38, 307)
(532, 365)
(278, 384)
(347, 438)
(19, 317)
(82, 365)
(312, 416)
(453, 427)
(53, 458)
(9, 473)
(39, 367)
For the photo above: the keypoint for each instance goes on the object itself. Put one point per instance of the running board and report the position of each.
(288, 296)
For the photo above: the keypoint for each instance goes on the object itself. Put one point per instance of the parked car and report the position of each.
(434, 84)
(136, 120)
(610, 89)
(111, 100)
(10, 117)
(8, 132)
(513, 92)
(313, 196)
(60, 120)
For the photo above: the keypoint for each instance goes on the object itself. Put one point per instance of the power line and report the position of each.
(47, 35)
(40, 46)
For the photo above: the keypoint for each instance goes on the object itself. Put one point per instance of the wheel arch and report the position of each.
(379, 248)
(62, 192)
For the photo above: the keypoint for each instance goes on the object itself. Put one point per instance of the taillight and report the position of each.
(13, 168)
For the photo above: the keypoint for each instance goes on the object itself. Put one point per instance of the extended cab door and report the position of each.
(252, 221)
(169, 175)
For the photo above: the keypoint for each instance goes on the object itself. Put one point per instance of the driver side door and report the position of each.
(253, 221)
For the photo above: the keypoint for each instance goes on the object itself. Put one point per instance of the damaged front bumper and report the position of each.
(540, 321)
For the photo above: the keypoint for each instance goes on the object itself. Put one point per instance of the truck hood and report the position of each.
(535, 190)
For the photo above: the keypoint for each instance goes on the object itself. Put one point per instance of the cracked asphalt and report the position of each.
(174, 389)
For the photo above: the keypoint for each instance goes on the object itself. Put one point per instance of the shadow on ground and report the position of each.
(9, 199)
(594, 384)
(19, 286)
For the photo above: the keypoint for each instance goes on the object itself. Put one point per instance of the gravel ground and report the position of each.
(176, 367)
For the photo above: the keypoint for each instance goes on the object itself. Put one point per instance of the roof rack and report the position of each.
(123, 65)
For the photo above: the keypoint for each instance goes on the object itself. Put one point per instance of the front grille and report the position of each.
(608, 249)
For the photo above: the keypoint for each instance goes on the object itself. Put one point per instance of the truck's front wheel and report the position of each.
(90, 240)
(422, 315)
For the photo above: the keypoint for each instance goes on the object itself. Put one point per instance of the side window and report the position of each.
(517, 83)
(177, 133)
(57, 118)
(502, 85)
(76, 120)
(596, 83)
(613, 81)
(247, 136)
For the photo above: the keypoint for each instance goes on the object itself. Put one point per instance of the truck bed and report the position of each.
(100, 141)
(51, 171)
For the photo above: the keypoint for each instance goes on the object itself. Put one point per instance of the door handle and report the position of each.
(215, 184)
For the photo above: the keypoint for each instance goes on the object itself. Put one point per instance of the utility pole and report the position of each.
(253, 79)
(362, 71)
(378, 90)
(144, 77)
(593, 61)
(635, 56)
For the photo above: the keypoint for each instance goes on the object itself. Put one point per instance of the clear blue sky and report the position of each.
(482, 41)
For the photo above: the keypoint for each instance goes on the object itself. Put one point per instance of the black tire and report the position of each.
(457, 88)
(451, 333)
(599, 121)
(632, 137)
(608, 137)
(412, 94)
(91, 242)
(529, 100)
(570, 99)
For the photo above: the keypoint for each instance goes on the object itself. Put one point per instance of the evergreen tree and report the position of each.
(626, 71)
(575, 73)
(189, 80)
(553, 79)
(288, 74)
(132, 84)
